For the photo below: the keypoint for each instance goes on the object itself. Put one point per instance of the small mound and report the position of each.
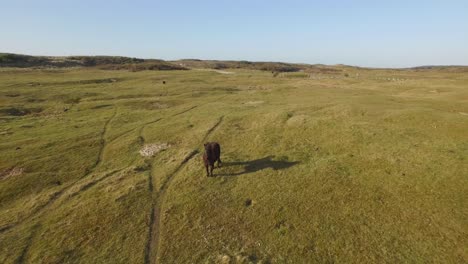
(224, 259)
(150, 150)
(297, 120)
(20, 111)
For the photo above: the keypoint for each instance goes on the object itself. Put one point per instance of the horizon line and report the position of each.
(239, 60)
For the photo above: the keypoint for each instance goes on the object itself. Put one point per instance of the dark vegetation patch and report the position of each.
(12, 94)
(102, 62)
(35, 100)
(230, 89)
(101, 106)
(132, 96)
(81, 82)
(142, 167)
(323, 69)
(20, 111)
(448, 68)
(135, 64)
(297, 75)
(279, 67)
(219, 65)
(25, 61)
(154, 65)
(193, 80)
(71, 82)
(92, 81)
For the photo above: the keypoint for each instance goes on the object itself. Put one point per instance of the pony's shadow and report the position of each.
(252, 166)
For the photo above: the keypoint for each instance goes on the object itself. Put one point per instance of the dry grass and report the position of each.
(368, 168)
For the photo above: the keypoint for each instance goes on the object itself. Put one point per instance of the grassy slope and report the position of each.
(103, 62)
(358, 169)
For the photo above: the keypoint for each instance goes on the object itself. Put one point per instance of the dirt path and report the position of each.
(122, 134)
(103, 141)
(56, 195)
(153, 245)
(142, 143)
(90, 170)
(212, 129)
(151, 251)
(91, 184)
(185, 111)
(25, 250)
(153, 233)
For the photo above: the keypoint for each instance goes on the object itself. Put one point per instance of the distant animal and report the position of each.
(164, 82)
(211, 155)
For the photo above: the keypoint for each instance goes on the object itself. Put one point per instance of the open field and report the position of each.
(353, 166)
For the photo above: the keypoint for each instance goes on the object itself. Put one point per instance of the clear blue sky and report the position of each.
(367, 33)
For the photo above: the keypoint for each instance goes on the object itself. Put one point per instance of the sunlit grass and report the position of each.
(365, 168)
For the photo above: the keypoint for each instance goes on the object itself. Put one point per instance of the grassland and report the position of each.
(318, 167)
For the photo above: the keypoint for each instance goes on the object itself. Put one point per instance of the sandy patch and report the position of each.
(254, 103)
(224, 259)
(224, 72)
(463, 113)
(297, 120)
(150, 150)
(218, 71)
(12, 172)
(159, 106)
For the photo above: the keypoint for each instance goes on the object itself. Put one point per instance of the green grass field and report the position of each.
(318, 168)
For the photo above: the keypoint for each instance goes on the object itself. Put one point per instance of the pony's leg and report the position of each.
(212, 167)
(207, 171)
(219, 162)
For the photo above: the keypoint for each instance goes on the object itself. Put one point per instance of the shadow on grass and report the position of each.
(257, 165)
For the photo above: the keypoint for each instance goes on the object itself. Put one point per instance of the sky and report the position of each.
(363, 33)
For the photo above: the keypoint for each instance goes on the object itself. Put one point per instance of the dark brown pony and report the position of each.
(211, 155)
